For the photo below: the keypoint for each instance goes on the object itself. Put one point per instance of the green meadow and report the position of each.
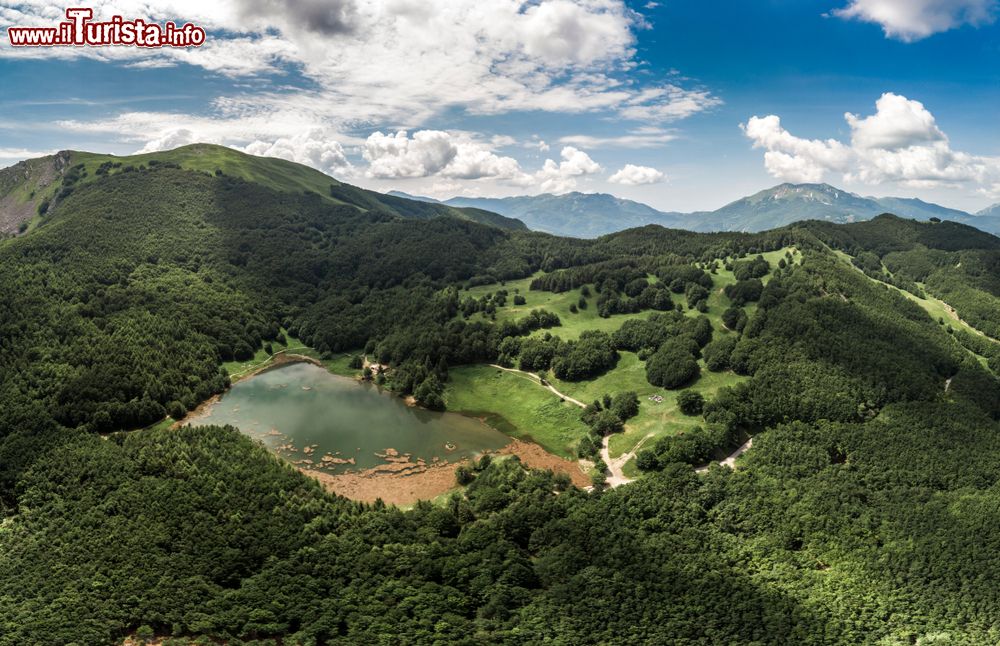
(525, 409)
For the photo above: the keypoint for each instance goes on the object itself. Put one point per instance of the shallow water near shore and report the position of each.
(333, 424)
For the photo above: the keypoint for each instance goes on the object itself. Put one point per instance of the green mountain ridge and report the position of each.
(27, 185)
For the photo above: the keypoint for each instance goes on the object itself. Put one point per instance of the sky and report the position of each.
(682, 104)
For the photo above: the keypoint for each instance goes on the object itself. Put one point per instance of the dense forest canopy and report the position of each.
(866, 511)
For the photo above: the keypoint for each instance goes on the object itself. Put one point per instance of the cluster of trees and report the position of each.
(758, 267)
(587, 357)
(623, 287)
(744, 291)
(647, 335)
(674, 364)
(487, 304)
(605, 417)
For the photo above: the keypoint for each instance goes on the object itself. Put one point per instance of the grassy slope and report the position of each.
(935, 307)
(519, 401)
(274, 173)
(517, 406)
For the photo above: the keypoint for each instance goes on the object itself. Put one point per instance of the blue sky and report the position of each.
(684, 105)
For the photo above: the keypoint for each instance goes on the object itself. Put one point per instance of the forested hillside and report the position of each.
(866, 511)
(30, 188)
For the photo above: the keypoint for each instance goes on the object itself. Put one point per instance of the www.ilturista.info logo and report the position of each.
(78, 31)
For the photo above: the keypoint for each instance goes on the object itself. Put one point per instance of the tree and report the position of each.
(464, 475)
(625, 405)
(646, 460)
(716, 354)
(606, 422)
(695, 295)
(744, 291)
(672, 366)
(176, 410)
(690, 402)
(144, 634)
(428, 393)
(734, 318)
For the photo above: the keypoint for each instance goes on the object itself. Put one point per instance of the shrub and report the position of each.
(691, 402)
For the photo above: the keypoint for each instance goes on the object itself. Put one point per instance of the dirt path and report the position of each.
(541, 382)
(281, 356)
(616, 465)
(616, 475)
(731, 460)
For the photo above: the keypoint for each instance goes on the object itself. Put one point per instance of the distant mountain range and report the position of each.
(588, 215)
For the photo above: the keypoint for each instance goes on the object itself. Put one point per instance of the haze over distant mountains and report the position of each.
(588, 215)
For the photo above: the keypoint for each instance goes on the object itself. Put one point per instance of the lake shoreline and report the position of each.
(428, 481)
(420, 479)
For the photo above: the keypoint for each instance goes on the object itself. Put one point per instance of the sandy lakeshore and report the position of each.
(418, 481)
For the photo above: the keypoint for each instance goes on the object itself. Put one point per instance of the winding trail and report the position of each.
(616, 466)
(617, 475)
(288, 352)
(541, 382)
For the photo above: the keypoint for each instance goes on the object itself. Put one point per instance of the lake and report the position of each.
(334, 424)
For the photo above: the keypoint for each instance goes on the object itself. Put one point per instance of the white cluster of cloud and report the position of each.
(433, 152)
(561, 177)
(901, 142)
(10, 156)
(428, 153)
(632, 175)
(911, 20)
(309, 148)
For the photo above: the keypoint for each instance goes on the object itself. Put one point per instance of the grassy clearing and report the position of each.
(516, 406)
(658, 419)
(338, 365)
(572, 324)
(240, 369)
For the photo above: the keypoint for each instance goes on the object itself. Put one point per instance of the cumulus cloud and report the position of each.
(911, 20)
(434, 152)
(561, 177)
(792, 158)
(169, 139)
(632, 175)
(901, 142)
(311, 149)
(460, 156)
